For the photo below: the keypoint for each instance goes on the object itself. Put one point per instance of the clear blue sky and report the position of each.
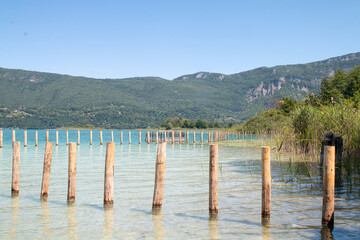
(117, 39)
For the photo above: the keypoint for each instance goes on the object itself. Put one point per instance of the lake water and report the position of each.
(296, 194)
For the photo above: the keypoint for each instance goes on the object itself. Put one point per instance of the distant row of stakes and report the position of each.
(151, 136)
(328, 177)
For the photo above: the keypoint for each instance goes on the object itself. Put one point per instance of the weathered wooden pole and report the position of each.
(109, 173)
(194, 136)
(36, 138)
(46, 136)
(90, 137)
(213, 178)
(15, 168)
(266, 182)
(25, 138)
(121, 137)
(112, 136)
(129, 137)
(159, 175)
(139, 137)
(72, 172)
(180, 137)
(209, 134)
(202, 137)
(187, 136)
(149, 138)
(328, 186)
(67, 138)
(101, 140)
(157, 137)
(78, 137)
(172, 137)
(1, 138)
(57, 138)
(46, 170)
(13, 136)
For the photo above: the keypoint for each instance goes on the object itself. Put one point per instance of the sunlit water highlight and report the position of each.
(295, 212)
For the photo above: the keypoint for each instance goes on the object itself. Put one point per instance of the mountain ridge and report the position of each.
(57, 100)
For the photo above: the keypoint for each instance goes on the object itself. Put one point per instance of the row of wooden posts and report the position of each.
(328, 177)
(158, 136)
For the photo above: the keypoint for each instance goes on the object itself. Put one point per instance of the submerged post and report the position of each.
(36, 138)
(266, 182)
(202, 137)
(187, 137)
(139, 137)
(112, 136)
(46, 136)
(13, 136)
(328, 187)
(121, 137)
(213, 178)
(101, 140)
(25, 138)
(129, 137)
(109, 173)
(57, 138)
(157, 137)
(194, 140)
(78, 137)
(15, 168)
(46, 170)
(159, 174)
(71, 172)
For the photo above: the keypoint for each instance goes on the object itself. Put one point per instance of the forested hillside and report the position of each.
(44, 100)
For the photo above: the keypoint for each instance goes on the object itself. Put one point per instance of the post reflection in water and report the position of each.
(108, 221)
(326, 232)
(72, 223)
(45, 217)
(157, 217)
(14, 220)
(213, 228)
(265, 229)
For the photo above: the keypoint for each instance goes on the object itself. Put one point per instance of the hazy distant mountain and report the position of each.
(45, 100)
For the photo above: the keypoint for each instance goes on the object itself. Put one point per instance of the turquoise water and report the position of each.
(295, 212)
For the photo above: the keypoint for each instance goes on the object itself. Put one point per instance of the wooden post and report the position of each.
(172, 137)
(157, 137)
(90, 137)
(36, 138)
(13, 136)
(180, 137)
(1, 138)
(67, 138)
(25, 138)
(328, 186)
(148, 137)
(266, 182)
(112, 136)
(139, 137)
(46, 170)
(101, 140)
(121, 137)
(109, 173)
(209, 134)
(187, 137)
(71, 172)
(129, 137)
(57, 138)
(202, 137)
(15, 168)
(213, 178)
(194, 135)
(78, 137)
(159, 174)
(46, 136)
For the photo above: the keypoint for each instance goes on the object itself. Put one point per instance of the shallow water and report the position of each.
(296, 196)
